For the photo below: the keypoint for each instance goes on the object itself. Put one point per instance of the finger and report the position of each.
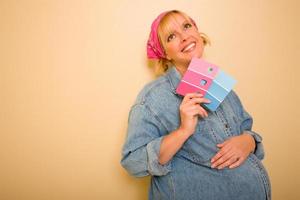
(219, 162)
(193, 113)
(205, 100)
(221, 153)
(202, 112)
(193, 110)
(222, 160)
(223, 157)
(227, 163)
(185, 108)
(190, 96)
(198, 100)
(237, 163)
(223, 143)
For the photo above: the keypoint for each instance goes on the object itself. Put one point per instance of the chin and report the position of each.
(199, 53)
(196, 55)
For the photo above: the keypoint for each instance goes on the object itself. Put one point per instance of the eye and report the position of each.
(187, 25)
(171, 37)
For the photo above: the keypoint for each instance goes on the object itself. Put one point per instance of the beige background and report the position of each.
(69, 71)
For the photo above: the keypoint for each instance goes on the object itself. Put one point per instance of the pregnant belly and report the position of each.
(247, 180)
(200, 182)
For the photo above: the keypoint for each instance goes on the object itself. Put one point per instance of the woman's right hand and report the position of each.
(190, 109)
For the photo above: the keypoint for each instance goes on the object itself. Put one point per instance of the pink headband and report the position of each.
(154, 48)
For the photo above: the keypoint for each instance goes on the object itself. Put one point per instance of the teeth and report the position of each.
(189, 47)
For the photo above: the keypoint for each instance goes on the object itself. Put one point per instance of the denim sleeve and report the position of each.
(246, 126)
(141, 149)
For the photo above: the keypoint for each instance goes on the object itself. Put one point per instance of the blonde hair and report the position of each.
(164, 28)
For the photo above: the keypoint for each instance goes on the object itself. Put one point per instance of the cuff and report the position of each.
(259, 149)
(154, 168)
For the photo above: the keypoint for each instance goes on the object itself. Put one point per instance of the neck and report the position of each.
(181, 69)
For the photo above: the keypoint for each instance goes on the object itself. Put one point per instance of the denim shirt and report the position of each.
(188, 175)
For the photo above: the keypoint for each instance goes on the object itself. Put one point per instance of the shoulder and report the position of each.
(233, 97)
(154, 90)
(233, 101)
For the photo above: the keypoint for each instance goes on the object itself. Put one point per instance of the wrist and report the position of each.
(185, 132)
(251, 142)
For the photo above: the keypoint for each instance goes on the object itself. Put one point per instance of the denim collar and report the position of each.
(174, 77)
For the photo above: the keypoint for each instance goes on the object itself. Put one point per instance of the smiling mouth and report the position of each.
(189, 47)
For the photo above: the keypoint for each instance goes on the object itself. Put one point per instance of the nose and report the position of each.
(183, 36)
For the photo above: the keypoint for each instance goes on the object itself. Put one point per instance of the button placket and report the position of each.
(224, 122)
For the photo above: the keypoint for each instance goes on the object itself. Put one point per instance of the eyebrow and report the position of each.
(183, 23)
(171, 31)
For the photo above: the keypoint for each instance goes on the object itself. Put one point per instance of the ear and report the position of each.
(168, 58)
(205, 38)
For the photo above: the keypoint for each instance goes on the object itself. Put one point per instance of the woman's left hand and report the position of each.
(233, 152)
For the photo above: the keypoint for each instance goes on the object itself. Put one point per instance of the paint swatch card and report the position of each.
(207, 79)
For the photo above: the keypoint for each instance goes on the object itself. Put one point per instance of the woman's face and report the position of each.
(182, 41)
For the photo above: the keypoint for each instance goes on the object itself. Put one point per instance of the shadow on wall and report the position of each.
(137, 186)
